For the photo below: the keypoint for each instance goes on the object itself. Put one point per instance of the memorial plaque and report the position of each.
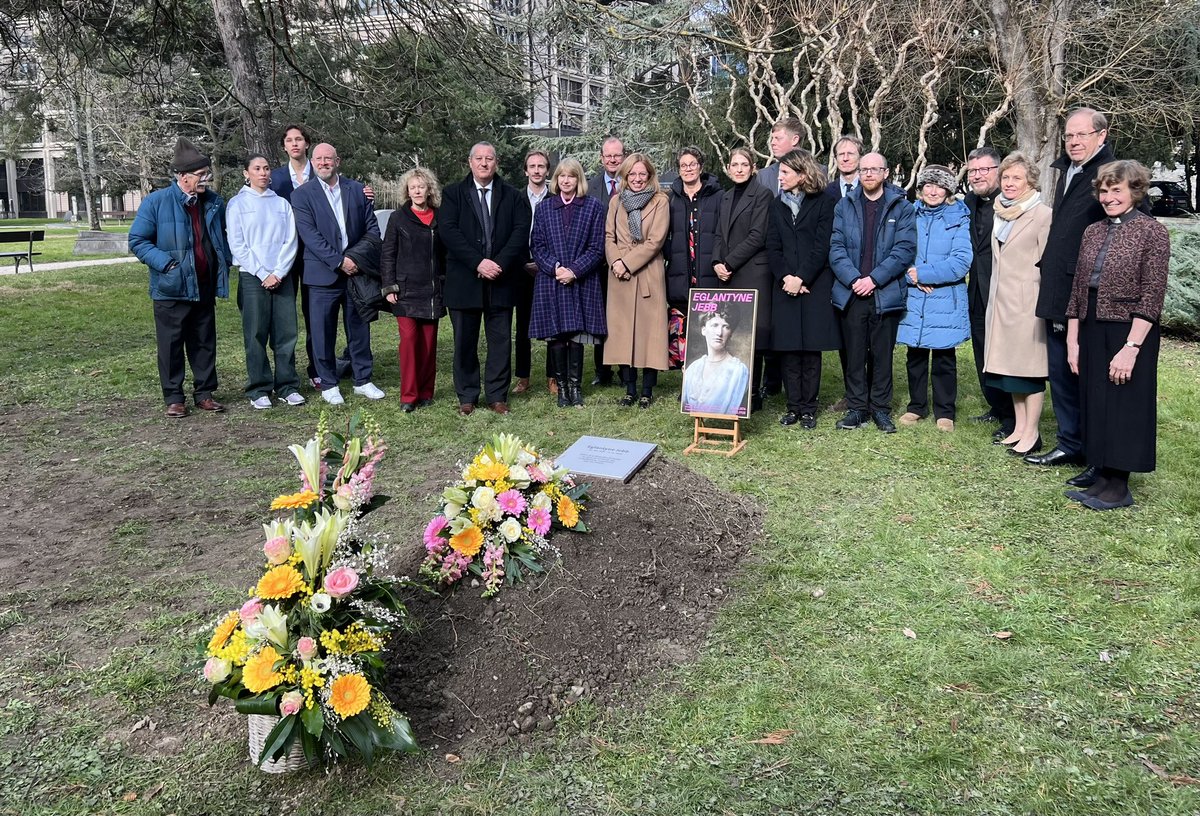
(606, 458)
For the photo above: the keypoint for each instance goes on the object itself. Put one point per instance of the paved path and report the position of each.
(49, 267)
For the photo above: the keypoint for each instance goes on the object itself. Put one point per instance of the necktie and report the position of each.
(845, 190)
(612, 188)
(487, 216)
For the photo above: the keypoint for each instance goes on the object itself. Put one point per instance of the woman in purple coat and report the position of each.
(568, 303)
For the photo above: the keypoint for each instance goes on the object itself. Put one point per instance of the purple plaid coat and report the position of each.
(578, 306)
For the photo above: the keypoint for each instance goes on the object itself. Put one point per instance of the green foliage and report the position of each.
(1181, 308)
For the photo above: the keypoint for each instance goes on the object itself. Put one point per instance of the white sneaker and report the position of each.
(370, 391)
(262, 403)
(333, 396)
(294, 398)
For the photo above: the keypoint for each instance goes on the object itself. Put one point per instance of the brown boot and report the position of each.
(552, 386)
(522, 385)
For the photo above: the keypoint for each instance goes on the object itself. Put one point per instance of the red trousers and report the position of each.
(418, 358)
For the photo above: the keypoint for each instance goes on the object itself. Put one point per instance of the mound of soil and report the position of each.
(628, 601)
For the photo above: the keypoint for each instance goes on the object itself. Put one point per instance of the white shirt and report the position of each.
(333, 194)
(304, 175)
(534, 200)
(262, 233)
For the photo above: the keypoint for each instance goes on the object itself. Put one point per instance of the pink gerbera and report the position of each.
(538, 520)
(511, 502)
(433, 531)
(536, 475)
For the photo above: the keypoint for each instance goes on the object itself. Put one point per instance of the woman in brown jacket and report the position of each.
(1112, 334)
(635, 231)
(1014, 356)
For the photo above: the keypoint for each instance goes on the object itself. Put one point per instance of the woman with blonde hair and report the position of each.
(413, 272)
(1014, 354)
(634, 234)
(568, 305)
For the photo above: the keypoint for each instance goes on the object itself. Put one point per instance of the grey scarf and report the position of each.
(793, 202)
(634, 203)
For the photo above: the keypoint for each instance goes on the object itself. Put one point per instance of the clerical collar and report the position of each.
(1123, 218)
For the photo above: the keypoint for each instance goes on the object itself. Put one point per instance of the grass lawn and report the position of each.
(928, 623)
(59, 244)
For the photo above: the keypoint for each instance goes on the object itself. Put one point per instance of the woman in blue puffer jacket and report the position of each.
(937, 319)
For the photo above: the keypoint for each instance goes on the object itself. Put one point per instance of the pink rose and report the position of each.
(307, 648)
(277, 550)
(291, 703)
(341, 582)
(250, 610)
(216, 669)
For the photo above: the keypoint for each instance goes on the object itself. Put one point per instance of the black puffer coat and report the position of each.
(676, 248)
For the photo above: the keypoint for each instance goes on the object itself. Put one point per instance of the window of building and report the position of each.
(570, 91)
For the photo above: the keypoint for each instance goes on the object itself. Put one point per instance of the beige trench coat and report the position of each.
(1015, 337)
(637, 308)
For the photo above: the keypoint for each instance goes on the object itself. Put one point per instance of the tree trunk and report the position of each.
(77, 136)
(93, 176)
(239, 41)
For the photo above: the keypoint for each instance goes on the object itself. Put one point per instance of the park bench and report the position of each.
(118, 215)
(26, 237)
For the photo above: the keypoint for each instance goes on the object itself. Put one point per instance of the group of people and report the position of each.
(1065, 289)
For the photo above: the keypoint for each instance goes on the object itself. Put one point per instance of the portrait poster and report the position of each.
(720, 351)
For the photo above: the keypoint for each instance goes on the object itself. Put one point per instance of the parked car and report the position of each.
(1169, 198)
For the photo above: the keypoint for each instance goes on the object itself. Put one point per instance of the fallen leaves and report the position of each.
(453, 759)
(774, 738)
(1174, 779)
(1002, 635)
(909, 633)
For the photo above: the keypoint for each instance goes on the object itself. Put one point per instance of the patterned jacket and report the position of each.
(1133, 281)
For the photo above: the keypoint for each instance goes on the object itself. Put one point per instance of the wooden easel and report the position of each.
(727, 446)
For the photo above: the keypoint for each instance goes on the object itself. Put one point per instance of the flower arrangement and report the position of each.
(496, 519)
(307, 645)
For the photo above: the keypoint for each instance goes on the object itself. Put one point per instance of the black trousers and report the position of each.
(497, 371)
(999, 403)
(801, 379)
(522, 345)
(945, 382)
(870, 340)
(186, 327)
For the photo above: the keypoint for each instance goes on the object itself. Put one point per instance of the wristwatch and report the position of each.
(1131, 344)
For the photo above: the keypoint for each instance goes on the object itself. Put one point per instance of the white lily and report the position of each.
(309, 457)
(270, 624)
(309, 547)
(351, 458)
(279, 528)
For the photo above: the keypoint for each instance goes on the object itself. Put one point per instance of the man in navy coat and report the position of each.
(485, 228)
(332, 214)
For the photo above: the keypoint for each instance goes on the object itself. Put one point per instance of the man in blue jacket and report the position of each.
(874, 243)
(179, 234)
(333, 214)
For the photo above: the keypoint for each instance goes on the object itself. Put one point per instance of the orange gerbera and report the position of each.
(283, 581)
(294, 501)
(468, 542)
(568, 512)
(259, 674)
(349, 694)
(223, 631)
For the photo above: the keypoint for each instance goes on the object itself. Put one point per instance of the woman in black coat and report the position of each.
(413, 272)
(740, 255)
(695, 198)
(804, 322)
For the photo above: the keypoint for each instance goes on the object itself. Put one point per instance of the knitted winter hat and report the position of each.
(187, 158)
(940, 175)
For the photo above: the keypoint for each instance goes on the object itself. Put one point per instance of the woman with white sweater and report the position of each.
(262, 238)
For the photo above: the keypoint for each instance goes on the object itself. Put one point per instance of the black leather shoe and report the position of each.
(883, 421)
(1030, 451)
(1000, 433)
(808, 421)
(628, 401)
(1097, 503)
(1056, 456)
(408, 407)
(790, 418)
(1075, 495)
(1085, 479)
(988, 417)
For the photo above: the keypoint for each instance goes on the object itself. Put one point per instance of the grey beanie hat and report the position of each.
(940, 175)
(187, 158)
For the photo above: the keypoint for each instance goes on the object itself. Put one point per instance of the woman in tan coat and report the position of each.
(1014, 356)
(635, 231)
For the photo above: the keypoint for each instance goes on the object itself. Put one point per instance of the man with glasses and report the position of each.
(602, 187)
(1075, 207)
(847, 153)
(179, 234)
(874, 243)
(983, 177)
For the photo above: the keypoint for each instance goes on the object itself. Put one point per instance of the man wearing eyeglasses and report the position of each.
(874, 243)
(602, 187)
(983, 177)
(1075, 207)
(179, 234)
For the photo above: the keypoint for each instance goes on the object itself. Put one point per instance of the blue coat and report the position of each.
(318, 229)
(161, 235)
(577, 307)
(895, 248)
(940, 319)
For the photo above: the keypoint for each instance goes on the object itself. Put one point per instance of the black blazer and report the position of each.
(979, 281)
(801, 247)
(466, 245)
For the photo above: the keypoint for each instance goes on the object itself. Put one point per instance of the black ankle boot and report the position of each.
(575, 374)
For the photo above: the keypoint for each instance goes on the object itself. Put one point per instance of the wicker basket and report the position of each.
(260, 728)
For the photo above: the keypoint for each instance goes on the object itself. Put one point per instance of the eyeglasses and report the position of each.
(612, 155)
(689, 166)
(872, 171)
(1070, 137)
(982, 171)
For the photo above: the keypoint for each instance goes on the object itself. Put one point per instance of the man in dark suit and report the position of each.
(847, 152)
(602, 187)
(983, 176)
(1075, 208)
(485, 225)
(785, 137)
(333, 214)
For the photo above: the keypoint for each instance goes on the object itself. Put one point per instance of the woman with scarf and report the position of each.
(936, 319)
(1015, 350)
(740, 257)
(568, 305)
(1112, 334)
(804, 322)
(635, 231)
